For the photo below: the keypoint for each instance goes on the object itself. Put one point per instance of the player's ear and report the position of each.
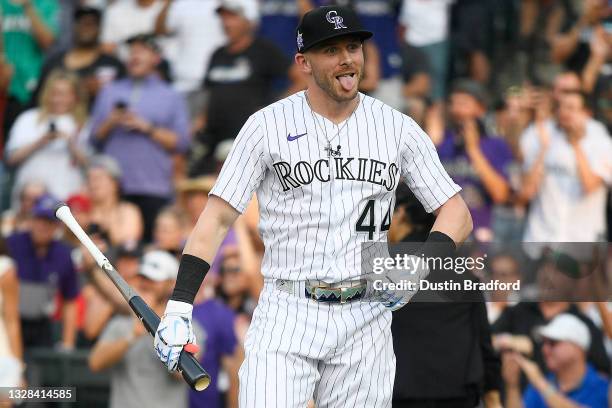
(303, 63)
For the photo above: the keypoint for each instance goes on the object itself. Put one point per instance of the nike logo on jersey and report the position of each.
(346, 168)
(292, 138)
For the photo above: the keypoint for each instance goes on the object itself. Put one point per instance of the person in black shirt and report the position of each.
(85, 58)
(443, 349)
(241, 79)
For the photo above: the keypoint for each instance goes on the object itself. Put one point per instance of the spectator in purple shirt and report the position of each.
(220, 350)
(141, 122)
(44, 266)
(475, 160)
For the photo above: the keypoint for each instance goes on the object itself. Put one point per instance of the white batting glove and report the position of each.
(173, 333)
(394, 299)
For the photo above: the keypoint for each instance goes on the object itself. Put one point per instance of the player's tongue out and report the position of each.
(347, 81)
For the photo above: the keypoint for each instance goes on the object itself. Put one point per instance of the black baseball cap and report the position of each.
(323, 23)
(87, 11)
(148, 40)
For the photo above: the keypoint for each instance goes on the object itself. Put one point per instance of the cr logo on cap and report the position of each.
(333, 17)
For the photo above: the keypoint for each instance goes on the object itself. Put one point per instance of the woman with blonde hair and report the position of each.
(43, 144)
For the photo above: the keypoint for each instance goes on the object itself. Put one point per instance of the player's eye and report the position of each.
(354, 46)
(331, 50)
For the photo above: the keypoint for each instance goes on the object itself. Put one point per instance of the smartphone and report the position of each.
(120, 105)
(52, 127)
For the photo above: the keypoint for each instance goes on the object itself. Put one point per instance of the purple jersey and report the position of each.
(217, 321)
(40, 278)
(457, 163)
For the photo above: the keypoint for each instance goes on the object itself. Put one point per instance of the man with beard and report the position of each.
(325, 163)
(86, 57)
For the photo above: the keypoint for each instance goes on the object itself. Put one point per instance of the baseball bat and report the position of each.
(188, 366)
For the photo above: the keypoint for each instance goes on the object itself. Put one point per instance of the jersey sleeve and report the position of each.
(421, 167)
(244, 168)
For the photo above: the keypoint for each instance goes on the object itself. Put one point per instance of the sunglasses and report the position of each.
(230, 270)
(550, 342)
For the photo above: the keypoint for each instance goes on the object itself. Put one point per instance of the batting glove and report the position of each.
(173, 333)
(393, 299)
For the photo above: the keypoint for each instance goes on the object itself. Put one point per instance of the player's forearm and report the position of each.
(201, 247)
(210, 230)
(69, 320)
(454, 219)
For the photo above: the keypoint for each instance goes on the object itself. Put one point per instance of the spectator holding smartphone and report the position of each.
(44, 144)
(142, 123)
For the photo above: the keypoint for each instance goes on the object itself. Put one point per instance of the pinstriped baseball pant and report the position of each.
(298, 349)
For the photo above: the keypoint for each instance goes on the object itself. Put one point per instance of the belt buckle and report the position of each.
(317, 297)
(343, 292)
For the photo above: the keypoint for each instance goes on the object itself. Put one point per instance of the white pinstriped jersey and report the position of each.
(318, 206)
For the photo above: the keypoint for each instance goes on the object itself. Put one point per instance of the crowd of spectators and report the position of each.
(126, 110)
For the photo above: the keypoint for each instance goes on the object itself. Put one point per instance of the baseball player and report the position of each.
(325, 164)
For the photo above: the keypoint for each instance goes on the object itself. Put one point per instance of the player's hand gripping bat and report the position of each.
(188, 366)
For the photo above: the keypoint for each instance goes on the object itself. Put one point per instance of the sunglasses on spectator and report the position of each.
(552, 343)
(235, 270)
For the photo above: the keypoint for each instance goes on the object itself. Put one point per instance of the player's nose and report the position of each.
(346, 58)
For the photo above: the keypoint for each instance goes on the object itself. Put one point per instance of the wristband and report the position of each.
(191, 273)
(439, 244)
(439, 247)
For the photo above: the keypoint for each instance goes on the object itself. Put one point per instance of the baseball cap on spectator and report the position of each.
(158, 266)
(147, 40)
(472, 88)
(129, 249)
(202, 184)
(79, 202)
(45, 207)
(324, 23)
(107, 163)
(567, 327)
(87, 11)
(248, 9)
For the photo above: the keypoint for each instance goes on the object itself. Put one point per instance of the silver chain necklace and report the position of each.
(328, 147)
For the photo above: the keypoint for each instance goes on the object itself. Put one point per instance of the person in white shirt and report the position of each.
(196, 28)
(44, 142)
(426, 24)
(124, 19)
(567, 165)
